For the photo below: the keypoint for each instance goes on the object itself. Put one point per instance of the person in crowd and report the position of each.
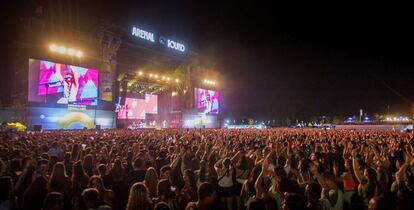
(262, 186)
(242, 174)
(165, 172)
(161, 160)
(88, 165)
(248, 192)
(68, 164)
(206, 197)
(118, 182)
(226, 173)
(60, 182)
(166, 194)
(107, 197)
(7, 201)
(202, 173)
(151, 181)
(348, 180)
(53, 201)
(293, 202)
(35, 194)
(80, 182)
(330, 189)
(257, 204)
(90, 197)
(313, 194)
(138, 173)
(405, 186)
(161, 206)
(211, 170)
(23, 182)
(102, 173)
(368, 187)
(139, 198)
(189, 191)
(379, 203)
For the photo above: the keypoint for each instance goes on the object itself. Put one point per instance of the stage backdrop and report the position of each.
(64, 118)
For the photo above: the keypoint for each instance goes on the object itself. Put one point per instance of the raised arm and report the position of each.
(259, 180)
(218, 165)
(175, 161)
(399, 176)
(314, 170)
(235, 157)
(355, 166)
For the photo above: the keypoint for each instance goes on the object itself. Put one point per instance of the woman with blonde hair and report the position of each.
(151, 181)
(107, 196)
(60, 182)
(139, 198)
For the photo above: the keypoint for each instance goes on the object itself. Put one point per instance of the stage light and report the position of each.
(174, 93)
(163, 77)
(64, 50)
(79, 53)
(53, 47)
(61, 50)
(71, 51)
(177, 80)
(168, 79)
(140, 73)
(156, 76)
(151, 75)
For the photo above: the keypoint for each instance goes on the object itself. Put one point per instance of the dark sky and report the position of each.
(288, 60)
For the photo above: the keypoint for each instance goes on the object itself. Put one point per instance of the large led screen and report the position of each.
(151, 104)
(136, 108)
(51, 82)
(133, 109)
(207, 101)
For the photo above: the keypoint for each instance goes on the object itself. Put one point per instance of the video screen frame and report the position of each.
(57, 83)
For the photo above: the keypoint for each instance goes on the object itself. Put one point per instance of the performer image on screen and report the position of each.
(207, 102)
(70, 84)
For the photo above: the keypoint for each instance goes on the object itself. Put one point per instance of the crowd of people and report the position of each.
(173, 169)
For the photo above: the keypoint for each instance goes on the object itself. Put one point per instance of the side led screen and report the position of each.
(207, 101)
(51, 82)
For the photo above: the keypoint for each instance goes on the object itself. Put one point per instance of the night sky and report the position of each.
(284, 61)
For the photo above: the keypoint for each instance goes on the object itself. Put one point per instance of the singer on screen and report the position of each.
(70, 84)
(206, 101)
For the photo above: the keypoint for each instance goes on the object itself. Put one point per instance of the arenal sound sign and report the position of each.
(149, 36)
(142, 34)
(172, 44)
